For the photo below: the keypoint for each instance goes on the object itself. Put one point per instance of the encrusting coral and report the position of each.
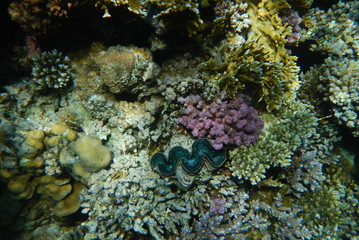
(117, 70)
(185, 165)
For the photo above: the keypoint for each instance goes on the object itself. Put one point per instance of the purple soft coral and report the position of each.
(227, 122)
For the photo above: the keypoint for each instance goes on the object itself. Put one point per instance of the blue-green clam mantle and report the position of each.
(185, 165)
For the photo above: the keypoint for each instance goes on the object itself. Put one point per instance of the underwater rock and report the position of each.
(185, 165)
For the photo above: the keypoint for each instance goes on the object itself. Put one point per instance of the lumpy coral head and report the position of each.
(227, 122)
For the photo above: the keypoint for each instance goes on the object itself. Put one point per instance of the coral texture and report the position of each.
(251, 66)
(125, 69)
(37, 16)
(85, 156)
(261, 61)
(334, 31)
(294, 20)
(337, 83)
(228, 122)
(136, 199)
(285, 133)
(52, 70)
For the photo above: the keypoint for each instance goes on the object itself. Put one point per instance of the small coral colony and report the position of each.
(197, 119)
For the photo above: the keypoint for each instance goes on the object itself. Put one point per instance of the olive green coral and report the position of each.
(336, 82)
(250, 65)
(282, 135)
(334, 32)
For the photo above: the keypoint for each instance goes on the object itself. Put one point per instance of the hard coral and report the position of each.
(254, 65)
(125, 69)
(37, 16)
(282, 136)
(52, 70)
(336, 81)
(227, 122)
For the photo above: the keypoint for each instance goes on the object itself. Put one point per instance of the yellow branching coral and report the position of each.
(262, 62)
(134, 6)
(251, 65)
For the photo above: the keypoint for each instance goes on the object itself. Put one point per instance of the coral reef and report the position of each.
(226, 122)
(185, 164)
(337, 83)
(284, 134)
(335, 31)
(52, 70)
(146, 131)
(85, 156)
(37, 16)
(125, 69)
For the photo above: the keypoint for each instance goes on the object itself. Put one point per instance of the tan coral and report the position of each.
(70, 204)
(93, 155)
(21, 187)
(54, 191)
(125, 69)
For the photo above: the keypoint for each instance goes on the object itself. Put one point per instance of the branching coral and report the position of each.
(52, 70)
(281, 137)
(251, 65)
(37, 16)
(262, 61)
(334, 32)
(137, 200)
(337, 84)
(336, 202)
(227, 122)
